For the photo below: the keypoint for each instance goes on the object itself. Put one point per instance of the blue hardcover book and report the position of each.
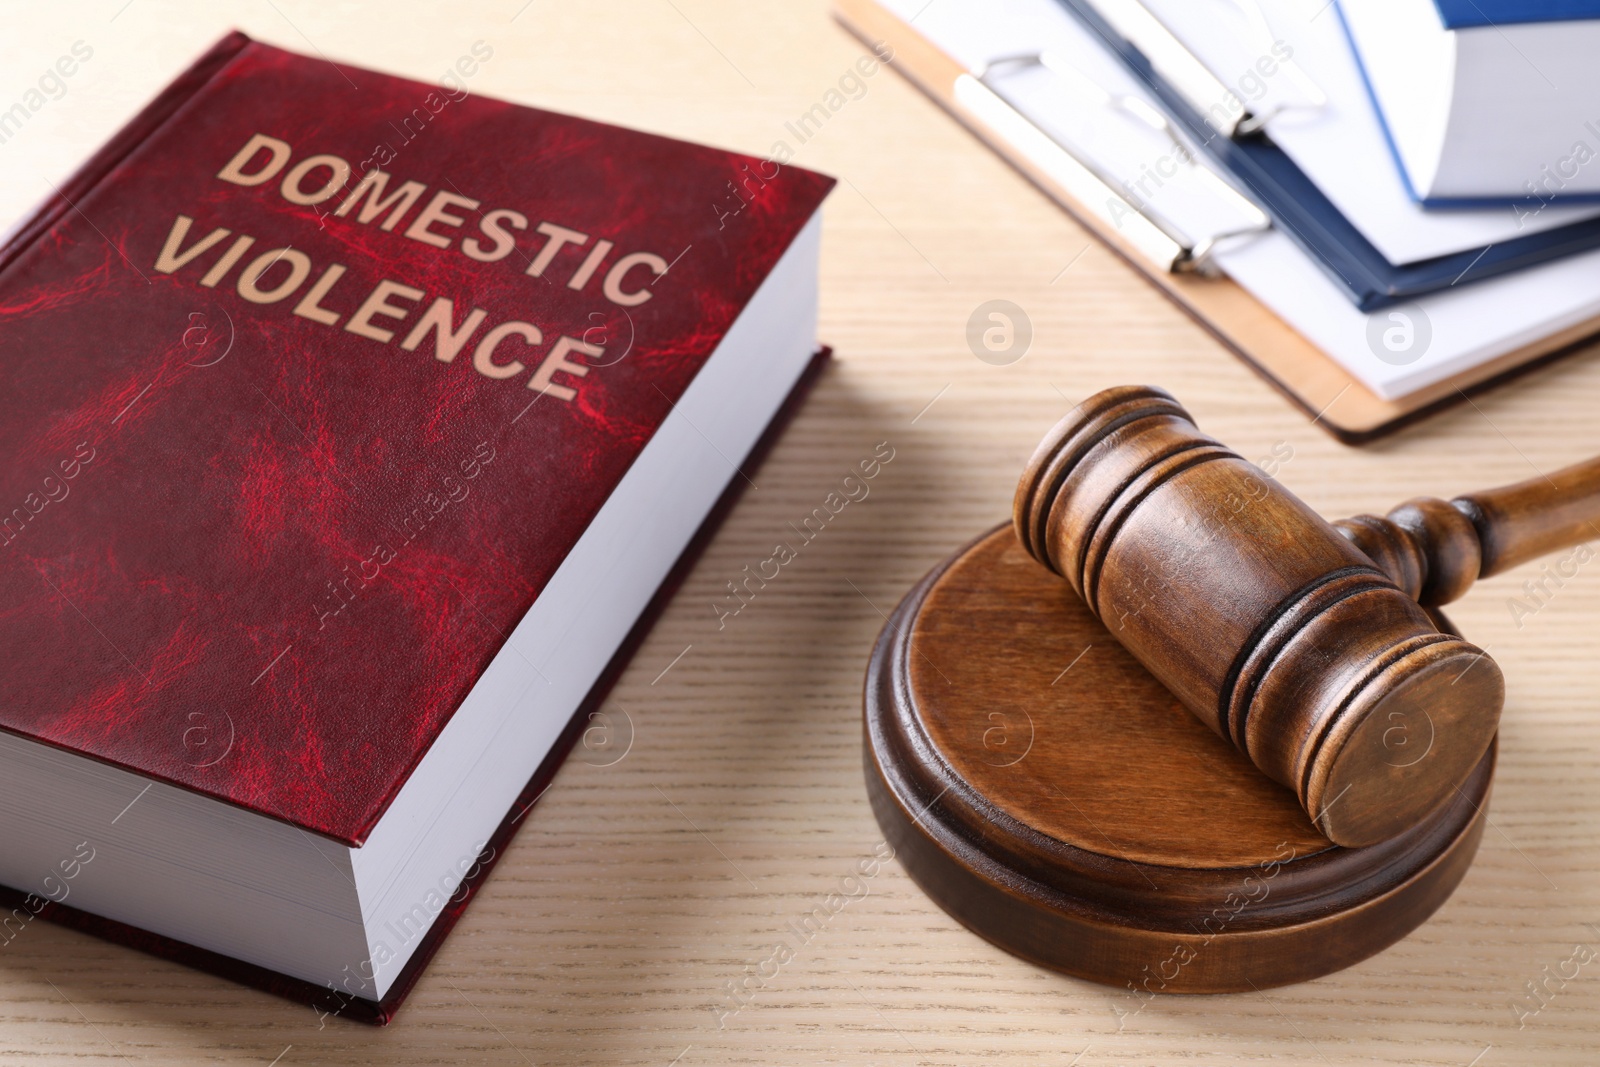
(1297, 207)
(1485, 101)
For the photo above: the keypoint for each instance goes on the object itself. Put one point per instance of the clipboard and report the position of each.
(1237, 142)
(1301, 372)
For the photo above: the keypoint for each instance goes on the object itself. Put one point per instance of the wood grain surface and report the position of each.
(643, 887)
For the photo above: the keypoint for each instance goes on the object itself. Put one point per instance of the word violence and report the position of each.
(389, 308)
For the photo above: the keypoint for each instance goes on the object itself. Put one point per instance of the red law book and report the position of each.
(353, 429)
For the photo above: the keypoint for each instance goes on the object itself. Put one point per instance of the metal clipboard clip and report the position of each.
(1092, 186)
(1219, 105)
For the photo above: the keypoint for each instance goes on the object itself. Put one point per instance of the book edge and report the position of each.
(1377, 108)
(1455, 19)
(135, 132)
(178, 93)
(355, 835)
(330, 1002)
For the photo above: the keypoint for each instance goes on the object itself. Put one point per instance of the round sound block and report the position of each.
(1043, 788)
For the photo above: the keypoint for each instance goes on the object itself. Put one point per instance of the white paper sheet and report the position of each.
(1461, 327)
(1340, 145)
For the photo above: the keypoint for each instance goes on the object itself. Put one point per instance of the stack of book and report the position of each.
(1381, 205)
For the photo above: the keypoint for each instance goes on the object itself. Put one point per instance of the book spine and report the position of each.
(139, 129)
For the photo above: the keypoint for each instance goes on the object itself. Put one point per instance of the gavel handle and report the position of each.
(1435, 549)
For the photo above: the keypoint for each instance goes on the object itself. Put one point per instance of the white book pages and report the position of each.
(1508, 110)
(1392, 352)
(1338, 141)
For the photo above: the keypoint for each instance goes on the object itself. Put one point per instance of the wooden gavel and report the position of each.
(1304, 643)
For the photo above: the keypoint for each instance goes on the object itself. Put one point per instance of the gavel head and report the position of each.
(1258, 615)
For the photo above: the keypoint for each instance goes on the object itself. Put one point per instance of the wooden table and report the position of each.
(639, 891)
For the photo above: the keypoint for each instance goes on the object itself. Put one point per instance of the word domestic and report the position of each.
(851, 489)
(272, 276)
(51, 83)
(1539, 593)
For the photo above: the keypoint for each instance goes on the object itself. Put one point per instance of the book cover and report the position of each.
(250, 372)
(1468, 14)
(309, 382)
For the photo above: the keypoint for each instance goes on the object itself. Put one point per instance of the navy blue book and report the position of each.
(1485, 101)
(1459, 14)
